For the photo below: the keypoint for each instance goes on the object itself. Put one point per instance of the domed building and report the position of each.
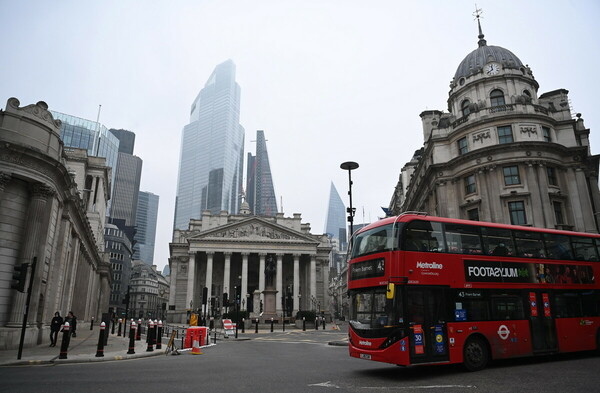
(502, 153)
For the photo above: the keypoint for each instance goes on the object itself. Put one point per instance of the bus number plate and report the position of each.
(365, 356)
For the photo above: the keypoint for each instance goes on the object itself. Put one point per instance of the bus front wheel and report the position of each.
(475, 354)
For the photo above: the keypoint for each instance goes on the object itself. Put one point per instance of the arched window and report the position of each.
(464, 107)
(527, 93)
(497, 98)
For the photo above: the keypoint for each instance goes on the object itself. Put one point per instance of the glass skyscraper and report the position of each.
(260, 193)
(146, 218)
(212, 149)
(126, 185)
(89, 135)
(335, 225)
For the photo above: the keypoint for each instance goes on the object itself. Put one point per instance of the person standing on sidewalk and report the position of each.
(55, 325)
(72, 319)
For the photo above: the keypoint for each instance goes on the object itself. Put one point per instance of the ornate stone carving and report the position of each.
(529, 130)
(480, 136)
(254, 230)
(4, 180)
(42, 191)
(39, 110)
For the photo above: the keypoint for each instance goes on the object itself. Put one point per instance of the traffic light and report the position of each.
(238, 294)
(20, 277)
(225, 300)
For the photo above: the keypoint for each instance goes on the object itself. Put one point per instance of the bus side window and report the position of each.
(424, 236)
(567, 305)
(497, 241)
(507, 308)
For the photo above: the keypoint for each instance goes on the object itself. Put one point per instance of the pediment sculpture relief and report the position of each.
(254, 231)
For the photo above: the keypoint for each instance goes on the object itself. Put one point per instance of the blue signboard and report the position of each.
(440, 339)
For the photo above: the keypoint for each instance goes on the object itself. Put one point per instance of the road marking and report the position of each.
(419, 387)
(327, 384)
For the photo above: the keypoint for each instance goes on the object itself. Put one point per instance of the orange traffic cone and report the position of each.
(196, 348)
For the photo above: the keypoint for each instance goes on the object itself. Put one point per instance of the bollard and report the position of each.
(132, 330)
(119, 331)
(182, 342)
(303, 324)
(92, 324)
(64, 346)
(243, 325)
(215, 340)
(283, 324)
(112, 330)
(271, 325)
(316, 323)
(149, 335)
(138, 335)
(100, 349)
(256, 327)
(159, 335)
(323, 323)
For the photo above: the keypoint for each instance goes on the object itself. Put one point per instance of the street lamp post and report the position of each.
(349, 166)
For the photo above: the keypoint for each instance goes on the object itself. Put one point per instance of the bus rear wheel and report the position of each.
(475, 354)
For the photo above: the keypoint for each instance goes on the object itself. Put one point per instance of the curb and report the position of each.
(82, 360)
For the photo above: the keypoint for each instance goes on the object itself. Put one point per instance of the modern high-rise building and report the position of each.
(260, 193)
(212, 149)
(335, 225)
(146, 218)
(89, 135)
(126, 186)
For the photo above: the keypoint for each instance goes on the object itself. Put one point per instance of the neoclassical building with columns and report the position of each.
(52, 207)
(221, 252)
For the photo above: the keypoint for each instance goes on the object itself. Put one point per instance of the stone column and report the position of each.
(279, 282)
(209, 274)
(174, 266)
(244, 278)
(5, 178)
(584, 201)
(574, 199)
(189, 298)
(313, 277)
(296, 283)
(547, 209)
(326, 300)
(261, 274)
(536, 199)
(29, 249)
(227, 273)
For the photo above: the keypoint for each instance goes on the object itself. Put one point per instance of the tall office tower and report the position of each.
(146, 218)
(127, 180)
(335, 226)
(260, 193)
(89, 135)
(126, 140)
(212, 150)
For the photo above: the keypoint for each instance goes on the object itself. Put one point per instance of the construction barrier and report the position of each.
(198, 333)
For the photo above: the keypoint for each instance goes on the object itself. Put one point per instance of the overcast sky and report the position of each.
(328, 81)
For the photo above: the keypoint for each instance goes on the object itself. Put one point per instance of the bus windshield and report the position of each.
(374, 240)
(369, 309)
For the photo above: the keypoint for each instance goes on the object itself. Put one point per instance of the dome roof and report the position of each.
(483, 55)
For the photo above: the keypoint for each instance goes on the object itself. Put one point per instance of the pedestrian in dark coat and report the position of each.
(72, 319)
(55, 326)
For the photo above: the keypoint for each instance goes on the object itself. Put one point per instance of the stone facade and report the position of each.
(223, 251)
(148, 292)
(503, 153)
(52, 208)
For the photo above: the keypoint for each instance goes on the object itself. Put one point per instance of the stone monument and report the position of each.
(270, 306)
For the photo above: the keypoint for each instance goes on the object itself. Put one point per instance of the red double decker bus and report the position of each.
(427, 290)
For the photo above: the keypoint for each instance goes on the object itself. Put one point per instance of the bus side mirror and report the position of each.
(390, 291)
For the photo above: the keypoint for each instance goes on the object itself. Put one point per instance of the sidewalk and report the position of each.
(82, 349)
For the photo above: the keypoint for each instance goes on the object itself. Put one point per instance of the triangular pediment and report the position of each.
(253, 229)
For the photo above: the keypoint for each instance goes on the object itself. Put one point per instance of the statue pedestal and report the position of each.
(256, 304)
(270, 306)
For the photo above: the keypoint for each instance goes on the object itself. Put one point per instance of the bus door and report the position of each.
(543, 330)
(425, 314)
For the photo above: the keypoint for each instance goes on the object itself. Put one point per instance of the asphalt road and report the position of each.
(299, 362)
